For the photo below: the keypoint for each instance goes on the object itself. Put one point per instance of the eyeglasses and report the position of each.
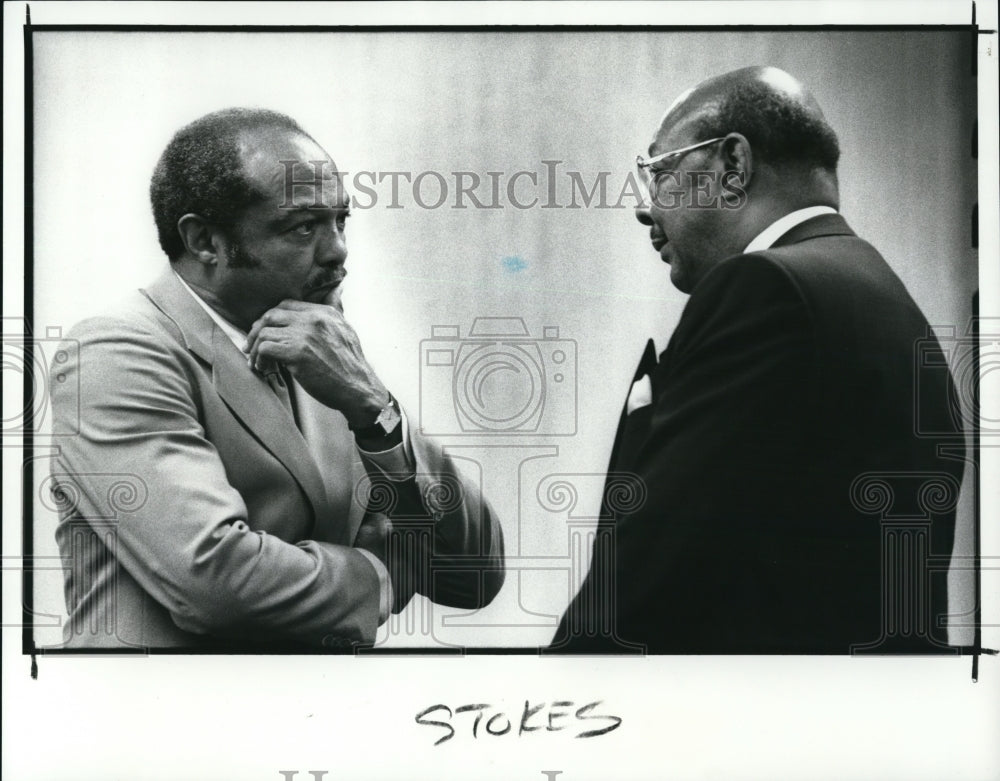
(645, 164)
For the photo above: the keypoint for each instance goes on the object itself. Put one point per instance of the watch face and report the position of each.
(388, 419)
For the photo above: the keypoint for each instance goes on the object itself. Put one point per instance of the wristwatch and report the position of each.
(385, 432)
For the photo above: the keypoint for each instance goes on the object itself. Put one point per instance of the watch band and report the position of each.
(386, 431)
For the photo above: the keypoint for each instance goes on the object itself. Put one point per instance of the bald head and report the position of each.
(772, 109)
(755, 126)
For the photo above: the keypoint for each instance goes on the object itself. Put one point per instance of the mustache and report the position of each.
(334, 277)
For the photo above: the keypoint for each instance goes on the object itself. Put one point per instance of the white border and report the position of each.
(746, 717)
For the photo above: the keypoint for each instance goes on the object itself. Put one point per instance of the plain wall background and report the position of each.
(903, 105)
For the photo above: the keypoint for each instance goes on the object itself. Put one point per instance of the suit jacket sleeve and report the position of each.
(188, 543)
(727, 418)
(447, 543)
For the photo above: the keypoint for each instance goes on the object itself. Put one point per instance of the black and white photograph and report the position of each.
(505, 390)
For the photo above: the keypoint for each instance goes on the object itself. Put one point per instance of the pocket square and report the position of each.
(641, 395)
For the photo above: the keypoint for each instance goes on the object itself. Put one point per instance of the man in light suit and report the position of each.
(781, 412)
(242, 479)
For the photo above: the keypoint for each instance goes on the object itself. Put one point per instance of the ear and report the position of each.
(738, 156)
(200, 238)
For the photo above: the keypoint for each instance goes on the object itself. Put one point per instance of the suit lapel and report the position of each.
(246, 393)
(633, 429)
(332, 444)
(648, 361)
(249, 396)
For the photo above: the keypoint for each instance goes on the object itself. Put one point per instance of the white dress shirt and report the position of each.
(766, 238)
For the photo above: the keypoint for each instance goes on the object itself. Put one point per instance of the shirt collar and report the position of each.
(781, 226)
(236, 336)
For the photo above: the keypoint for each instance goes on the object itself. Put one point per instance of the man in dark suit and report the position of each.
(242, 479)
(781, 414)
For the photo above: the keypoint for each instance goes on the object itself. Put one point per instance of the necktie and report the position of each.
(278, 378)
